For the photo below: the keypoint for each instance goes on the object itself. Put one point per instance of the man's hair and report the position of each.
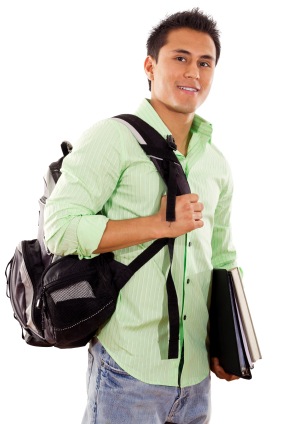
(192, 19)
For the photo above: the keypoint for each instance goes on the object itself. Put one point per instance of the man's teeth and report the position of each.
(188, 88)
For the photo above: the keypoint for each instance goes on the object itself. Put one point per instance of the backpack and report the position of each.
(63, 301)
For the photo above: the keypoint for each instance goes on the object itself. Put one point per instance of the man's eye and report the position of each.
(204, 64)
(181, 59)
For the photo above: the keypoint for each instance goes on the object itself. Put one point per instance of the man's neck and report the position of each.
(179, 125)
(180, 130)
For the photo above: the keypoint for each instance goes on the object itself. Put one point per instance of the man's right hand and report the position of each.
(188, 212)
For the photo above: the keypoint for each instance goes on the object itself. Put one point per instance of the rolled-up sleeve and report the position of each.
(223, 250)
(74, 222)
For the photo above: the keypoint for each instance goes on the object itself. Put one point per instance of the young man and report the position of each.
(111, 198)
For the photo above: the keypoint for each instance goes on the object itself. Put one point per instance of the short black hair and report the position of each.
(193, 19)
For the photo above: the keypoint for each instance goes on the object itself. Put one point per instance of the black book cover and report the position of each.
(226, 342)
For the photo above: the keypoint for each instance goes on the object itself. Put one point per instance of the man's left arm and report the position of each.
(223, 252)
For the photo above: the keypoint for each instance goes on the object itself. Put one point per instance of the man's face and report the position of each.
(181, 78)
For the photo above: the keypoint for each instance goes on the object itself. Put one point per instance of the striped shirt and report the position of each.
(108, 176)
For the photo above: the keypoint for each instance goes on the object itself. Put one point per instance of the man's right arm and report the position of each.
(130, 232)
(76, 218)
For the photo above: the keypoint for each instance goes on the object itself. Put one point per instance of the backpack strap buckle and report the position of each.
(170, 142)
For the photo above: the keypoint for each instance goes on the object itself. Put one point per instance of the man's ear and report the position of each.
(149, 67)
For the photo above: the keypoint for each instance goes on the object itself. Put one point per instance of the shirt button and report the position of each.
(188, 280)
(190, 243)
(185, 317)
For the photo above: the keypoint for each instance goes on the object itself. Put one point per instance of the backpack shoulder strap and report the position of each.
(161, 153)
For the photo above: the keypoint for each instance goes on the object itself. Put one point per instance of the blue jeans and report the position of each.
(115, 397)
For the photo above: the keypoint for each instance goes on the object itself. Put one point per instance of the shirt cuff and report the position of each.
(89, 233)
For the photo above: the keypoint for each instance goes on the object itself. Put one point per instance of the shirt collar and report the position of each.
(146, 112)
(202, 127)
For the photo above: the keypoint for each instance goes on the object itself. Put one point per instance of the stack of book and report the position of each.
(232, 335)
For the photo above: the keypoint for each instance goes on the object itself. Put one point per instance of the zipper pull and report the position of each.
(40, 304)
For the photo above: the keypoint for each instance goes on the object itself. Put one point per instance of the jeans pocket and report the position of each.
(108, 363)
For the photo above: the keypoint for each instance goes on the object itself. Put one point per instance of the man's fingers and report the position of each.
(193, 197)
(198, 207)
(219, 371)
(197, 216)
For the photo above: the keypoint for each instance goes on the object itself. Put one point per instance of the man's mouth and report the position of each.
(191, 89)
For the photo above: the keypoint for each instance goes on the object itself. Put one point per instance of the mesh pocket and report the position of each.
(75, 303)
(80, 290)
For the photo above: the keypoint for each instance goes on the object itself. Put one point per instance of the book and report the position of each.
(245, 315)
(232, 336)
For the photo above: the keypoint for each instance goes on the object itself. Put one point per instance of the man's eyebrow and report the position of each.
(204, 56)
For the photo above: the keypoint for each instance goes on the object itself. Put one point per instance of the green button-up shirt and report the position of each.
(108, 176)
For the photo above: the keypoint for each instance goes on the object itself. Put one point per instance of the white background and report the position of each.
(67, 64)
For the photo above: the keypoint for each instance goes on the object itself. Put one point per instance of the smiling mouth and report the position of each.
(191, 89)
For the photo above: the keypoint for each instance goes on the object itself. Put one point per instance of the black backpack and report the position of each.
(62, 301)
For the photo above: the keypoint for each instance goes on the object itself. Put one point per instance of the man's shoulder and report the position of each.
(217, 153)
(106, 138)
(106, 131)
(111, 125)
(219, 160)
